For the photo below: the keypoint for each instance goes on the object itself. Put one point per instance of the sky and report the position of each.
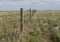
(27, 4)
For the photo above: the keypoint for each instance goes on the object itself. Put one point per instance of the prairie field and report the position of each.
(44, 26)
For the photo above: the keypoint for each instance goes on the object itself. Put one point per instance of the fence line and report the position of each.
(22, 21)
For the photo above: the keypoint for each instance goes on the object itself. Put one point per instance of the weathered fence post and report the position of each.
(22, 18)
(22, 22)
(30, 13)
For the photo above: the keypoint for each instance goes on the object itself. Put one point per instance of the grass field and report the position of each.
(44, 26)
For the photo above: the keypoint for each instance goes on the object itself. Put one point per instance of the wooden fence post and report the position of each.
(22, 22)
(22, 18)
(30, 13)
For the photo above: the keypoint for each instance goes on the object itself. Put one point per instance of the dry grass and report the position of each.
(39, 29)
